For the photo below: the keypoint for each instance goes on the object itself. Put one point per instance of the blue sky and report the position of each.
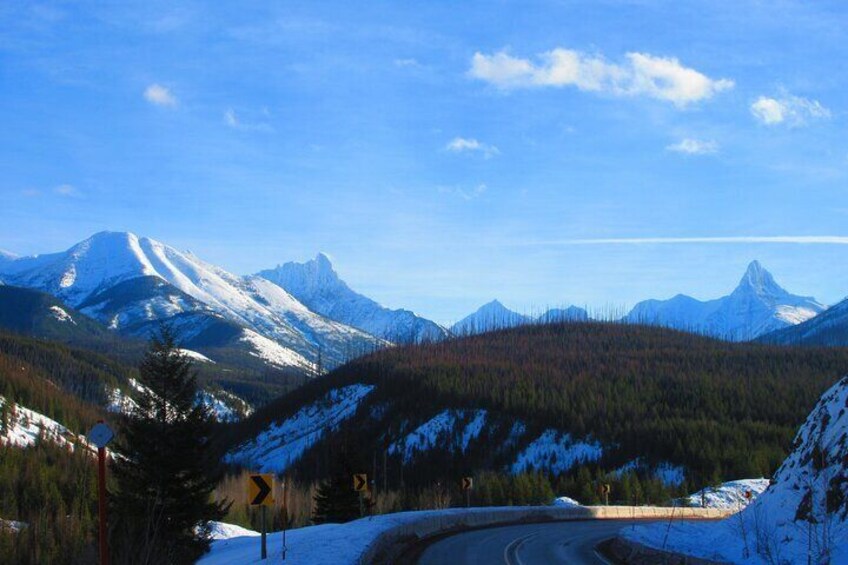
(442, 153)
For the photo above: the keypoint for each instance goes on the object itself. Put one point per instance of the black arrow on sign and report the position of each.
(466, 483)
(264, 490)
(359, 482)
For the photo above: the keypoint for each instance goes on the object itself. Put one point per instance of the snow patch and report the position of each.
(224, 531)
(565, 501)
(556, 452)
(730, 495)
(61, 315)
(453, 429)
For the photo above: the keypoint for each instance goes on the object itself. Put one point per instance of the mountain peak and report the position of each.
(759, 280)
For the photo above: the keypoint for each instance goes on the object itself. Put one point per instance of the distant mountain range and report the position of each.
(299, 315)
(316, 285)
(756, 307)
(132, 283)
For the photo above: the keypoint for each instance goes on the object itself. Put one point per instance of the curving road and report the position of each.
(526, 544)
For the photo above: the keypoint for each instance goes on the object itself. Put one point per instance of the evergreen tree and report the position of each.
(336, 501)
(165, 477)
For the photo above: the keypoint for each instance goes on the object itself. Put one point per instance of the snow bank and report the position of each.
(565, 501)
(556, 452)
(224, 531)
(804, 513)
(280, 445)
(379, 538)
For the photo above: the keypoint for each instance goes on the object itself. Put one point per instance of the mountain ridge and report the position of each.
(316, 284)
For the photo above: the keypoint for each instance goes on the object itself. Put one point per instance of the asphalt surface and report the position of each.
(526, 544)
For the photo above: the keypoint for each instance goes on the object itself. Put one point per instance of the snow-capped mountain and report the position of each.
(757, 306)
(490, 316)
(126, 281)
(317, 285)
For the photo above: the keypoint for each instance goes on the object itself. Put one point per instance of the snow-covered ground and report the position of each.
(26, 426)
(803, 514)
(281, 444)
(452, 428)
(730, 495)
(556, 452)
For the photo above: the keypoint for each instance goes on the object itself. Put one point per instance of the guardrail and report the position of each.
(391, 543)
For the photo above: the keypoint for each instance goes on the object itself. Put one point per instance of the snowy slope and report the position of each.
(26, 427)
(84, 275)
(829, 328)
(490, 316)
(805, 511)
(757, 306)
(280, 445)
(453, 429)
(318, 286)
(555, 452)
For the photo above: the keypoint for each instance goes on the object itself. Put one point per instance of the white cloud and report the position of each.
(780, 239)
(789, 109)
(465, 194)
(66, 190)
(159, 95)
(691, 146)
(663, 78)
(233, 121)
(461, 145)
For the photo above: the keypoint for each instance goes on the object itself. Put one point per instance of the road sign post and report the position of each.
(100, 436)
(467, 483)
(360, 485)
(260, 493)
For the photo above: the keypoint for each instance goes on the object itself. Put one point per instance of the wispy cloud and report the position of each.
(788, 109)
(691, 146)
(641, 74)
(159, 95)
(66, 190)
(407, 63)
(780, 239)
(233, 121)
(463, 145)
(464, 193)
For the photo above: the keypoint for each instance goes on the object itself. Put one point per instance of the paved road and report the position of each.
(525, 544)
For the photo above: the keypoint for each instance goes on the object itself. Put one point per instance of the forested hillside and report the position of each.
(584, 395)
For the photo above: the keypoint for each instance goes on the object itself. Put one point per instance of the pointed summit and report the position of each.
(757, 306)
(759, 280)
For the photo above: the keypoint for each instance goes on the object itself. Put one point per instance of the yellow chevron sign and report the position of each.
(260, 490)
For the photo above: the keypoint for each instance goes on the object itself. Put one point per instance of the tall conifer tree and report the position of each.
(165, 474)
